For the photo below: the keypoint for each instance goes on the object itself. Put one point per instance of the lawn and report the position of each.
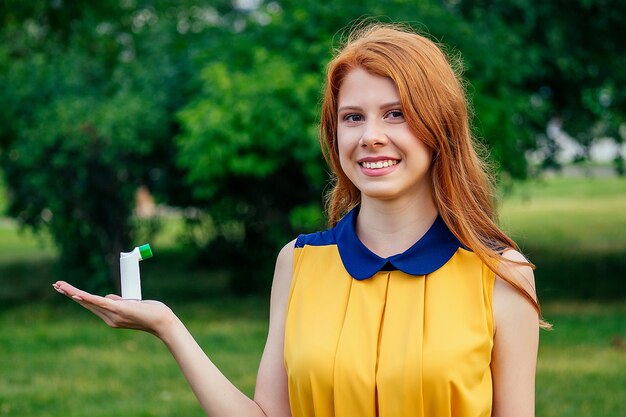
(577, 215)
(56, 359)
(59, 361)
(574, 230)
(582, 362)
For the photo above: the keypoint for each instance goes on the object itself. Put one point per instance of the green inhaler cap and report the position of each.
(145, 251)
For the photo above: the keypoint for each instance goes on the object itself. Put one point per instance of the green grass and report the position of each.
(574, 230)
(60, 360)
(24, 262)
(577, 215)
(56, 359)
(581, 369)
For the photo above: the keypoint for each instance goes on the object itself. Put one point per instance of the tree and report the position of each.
(249, 139)
(89, 99)
(574, 61)
(101, 97)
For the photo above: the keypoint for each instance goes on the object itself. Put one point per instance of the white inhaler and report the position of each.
(129, 271)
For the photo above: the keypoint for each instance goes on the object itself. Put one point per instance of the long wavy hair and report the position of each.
(435, 107)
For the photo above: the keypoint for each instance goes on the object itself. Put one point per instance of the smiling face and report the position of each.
(378, 152)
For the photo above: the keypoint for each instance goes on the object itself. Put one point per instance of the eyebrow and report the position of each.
(384, 106)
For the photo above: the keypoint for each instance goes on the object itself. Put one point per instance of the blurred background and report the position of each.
(192, 125)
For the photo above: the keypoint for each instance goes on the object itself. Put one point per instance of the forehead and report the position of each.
(360, 86)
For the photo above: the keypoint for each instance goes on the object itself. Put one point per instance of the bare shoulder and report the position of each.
(283, 271)
(509, 303)
(516, 267)
(281, 283)
(286, 253)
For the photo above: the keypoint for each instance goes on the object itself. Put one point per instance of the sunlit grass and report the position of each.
(579, 215)
(574, 230)
(21, 245)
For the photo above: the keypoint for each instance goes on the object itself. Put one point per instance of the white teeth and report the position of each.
(379, 164)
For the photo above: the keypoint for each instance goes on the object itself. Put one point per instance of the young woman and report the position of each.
(414, 303)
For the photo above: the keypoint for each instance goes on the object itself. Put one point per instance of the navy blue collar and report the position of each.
(427, 255)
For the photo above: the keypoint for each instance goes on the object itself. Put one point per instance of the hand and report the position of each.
(148, 315)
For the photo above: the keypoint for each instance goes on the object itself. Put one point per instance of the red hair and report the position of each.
(433, 101)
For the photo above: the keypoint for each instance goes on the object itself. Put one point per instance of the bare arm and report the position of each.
(217, 395)
(516, 340)
(271, 391)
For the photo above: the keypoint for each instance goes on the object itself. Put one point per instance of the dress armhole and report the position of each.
(489, 280)
(297, 253)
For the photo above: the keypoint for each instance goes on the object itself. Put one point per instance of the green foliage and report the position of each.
(251, 153)
(88, 120)
(215, 106)
(91, 153)
(249, 137)
(241, 128)
(570, 58)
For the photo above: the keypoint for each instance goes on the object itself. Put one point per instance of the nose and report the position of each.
(373, 136)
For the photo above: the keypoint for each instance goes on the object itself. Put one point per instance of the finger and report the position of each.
(98, 311)
(58, 288)
(96, 300)
(67, 289)
(113, 297)
(78, 294)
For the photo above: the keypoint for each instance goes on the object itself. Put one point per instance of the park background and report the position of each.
(193, 126)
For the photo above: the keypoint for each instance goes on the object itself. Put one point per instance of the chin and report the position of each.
(383, 195)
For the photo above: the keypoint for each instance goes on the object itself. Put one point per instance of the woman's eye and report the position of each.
(395, 114)
(353, 118)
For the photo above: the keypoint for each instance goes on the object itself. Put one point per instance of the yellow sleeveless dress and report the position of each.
(409, 335)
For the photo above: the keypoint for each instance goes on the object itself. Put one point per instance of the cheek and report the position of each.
(420, 149)
(343, 146)
(345, 150)
(423, 157)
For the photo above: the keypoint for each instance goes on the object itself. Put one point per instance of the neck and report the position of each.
(391, 227)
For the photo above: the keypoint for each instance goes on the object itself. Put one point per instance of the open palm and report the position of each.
(147, 315)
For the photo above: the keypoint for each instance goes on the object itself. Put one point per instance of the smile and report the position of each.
(379, 164)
